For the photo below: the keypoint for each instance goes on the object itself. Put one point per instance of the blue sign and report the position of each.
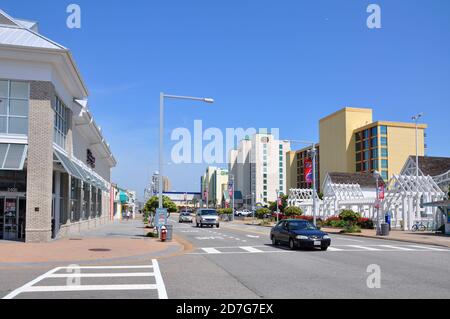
(160, 217)
(448, 216)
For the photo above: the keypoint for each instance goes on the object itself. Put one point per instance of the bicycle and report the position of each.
(419, 226)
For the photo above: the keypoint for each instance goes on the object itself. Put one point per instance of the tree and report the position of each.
(273, 205)
(153, 204)
(349, 216)
(292, 211)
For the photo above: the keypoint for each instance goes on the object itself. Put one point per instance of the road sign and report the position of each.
(160, 217)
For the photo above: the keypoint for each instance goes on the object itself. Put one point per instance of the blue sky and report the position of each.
(267, 63)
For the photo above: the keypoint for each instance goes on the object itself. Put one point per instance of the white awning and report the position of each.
(12, 156)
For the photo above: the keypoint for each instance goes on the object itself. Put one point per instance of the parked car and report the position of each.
(186, 217)
(207, 217)
(244, 213)
(299, 234)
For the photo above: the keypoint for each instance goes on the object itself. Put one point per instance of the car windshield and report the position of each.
(301, 225)
(209, 212)
(185, 214)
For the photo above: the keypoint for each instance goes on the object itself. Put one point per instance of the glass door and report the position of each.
(2, 217)
(22, 214)
(10, 219)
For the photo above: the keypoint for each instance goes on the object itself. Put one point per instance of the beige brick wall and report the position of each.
(40, 162)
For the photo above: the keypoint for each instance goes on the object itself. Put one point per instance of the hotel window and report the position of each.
(14, 104)
(385, 175)
(359, 167)
(374, 142)
(374, 131)
(358, 137)
(264, 175)
(366, 144)
(281, 146)
(358, 147)
(366, 134)
(374, 153)
(384, 152)
(358, 157)
(384, 141)
(61, 125)
(374, 164)
(384, 164)
(383, 130)
(366, 166)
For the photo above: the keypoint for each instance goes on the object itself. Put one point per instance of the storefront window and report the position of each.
(93, 202)
(75, 200)
(13, 181)
(61, 125)
(86, 200)
(14, 104)
(99, 203)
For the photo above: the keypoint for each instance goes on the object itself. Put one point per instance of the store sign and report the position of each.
(90, 159)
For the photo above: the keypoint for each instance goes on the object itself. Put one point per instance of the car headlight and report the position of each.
(326, 237)
(302, 237)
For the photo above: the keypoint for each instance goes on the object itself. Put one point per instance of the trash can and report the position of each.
(169, 232)
(384, 230)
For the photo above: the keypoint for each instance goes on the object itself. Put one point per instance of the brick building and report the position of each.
(55, 165)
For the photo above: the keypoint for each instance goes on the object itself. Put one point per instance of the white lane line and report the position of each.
(18, 291)
(94, 275)
(334, 249)
(364, 248)
(109, 267)
(353, 240)
(211, 251)
(251, 236)
(162, 293)
(251, 249)
(428, 248)
(245, 252)
(396, 247)
(90, 288)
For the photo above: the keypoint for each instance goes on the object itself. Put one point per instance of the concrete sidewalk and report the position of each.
(427, 238)
(111, 242)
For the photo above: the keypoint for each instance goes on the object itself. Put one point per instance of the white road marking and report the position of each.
(334, 249)
(251, 249)
(159, 286)
(211, 251)
(397, 247)
(347, 239)
(429, 248)
(251, 236)
(364, 247)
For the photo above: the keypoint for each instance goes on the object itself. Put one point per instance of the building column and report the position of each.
(40, 163)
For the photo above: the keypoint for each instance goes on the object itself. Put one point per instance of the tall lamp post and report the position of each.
(231, 176)
(416, 119)
(161, 132)
(377, 175)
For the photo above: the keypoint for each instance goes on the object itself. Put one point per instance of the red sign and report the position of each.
(308, 171)
(381, 192)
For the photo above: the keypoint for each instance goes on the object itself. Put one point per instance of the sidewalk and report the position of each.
(410, 237)
(111, 242)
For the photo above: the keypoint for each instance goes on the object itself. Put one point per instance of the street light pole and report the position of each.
(232, 195)
(163, 96)
(416, 118)
(278, 206)
(314, 156)
(377, 177)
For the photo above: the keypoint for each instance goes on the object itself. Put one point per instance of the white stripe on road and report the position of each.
(94, 275)
(211, 250)
(251, 249)
(334, 249)
(396, 247)
(162, 293)
(364, 248)
(429, 248)
(90, 288)
(109, 267)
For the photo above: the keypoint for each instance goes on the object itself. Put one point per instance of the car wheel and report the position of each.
(324, 248)
(274, 241)
(218, 226)
(291, 244)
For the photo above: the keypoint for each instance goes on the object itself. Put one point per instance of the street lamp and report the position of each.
(231, 176)
(416, 119)
(313, 153)
(377, 175)
(161, 132)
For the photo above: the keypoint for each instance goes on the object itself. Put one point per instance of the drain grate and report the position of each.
(98, 250)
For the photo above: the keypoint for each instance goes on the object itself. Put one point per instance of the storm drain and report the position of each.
(99, 250)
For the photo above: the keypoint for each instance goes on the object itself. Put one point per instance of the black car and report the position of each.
(299, 234)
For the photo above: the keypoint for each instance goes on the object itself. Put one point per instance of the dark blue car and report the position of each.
(299, 234)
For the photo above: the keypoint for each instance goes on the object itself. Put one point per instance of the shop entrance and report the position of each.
(12, 217)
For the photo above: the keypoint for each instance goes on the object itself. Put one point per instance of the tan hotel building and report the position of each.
(350, 142)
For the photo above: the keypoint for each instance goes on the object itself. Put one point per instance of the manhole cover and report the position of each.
(99, 249)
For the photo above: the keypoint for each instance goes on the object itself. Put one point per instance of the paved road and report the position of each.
(237, 261)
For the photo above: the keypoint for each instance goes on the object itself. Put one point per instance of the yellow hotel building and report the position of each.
(350, 141)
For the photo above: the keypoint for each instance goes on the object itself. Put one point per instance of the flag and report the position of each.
(308, 171)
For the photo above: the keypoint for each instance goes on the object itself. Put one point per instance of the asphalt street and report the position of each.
(238, 261)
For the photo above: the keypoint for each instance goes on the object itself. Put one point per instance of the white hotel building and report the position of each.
(259, 168)
(55, 165)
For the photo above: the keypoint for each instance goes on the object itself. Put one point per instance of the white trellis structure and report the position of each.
(442, 180)
(303, 199)
(339, 196)
(404, 196)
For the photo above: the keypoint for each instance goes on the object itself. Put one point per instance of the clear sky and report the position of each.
(267, 63)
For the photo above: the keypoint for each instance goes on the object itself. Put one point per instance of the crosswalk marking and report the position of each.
(33, 287)
(334, 249)
(397, 247)
(211, 250)
(364, 247)
(430, 248)
(251, 249)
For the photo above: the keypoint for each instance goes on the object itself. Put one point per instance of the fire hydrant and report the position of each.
(163, 233)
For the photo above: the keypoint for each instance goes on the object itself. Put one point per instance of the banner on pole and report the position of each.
(309, 171)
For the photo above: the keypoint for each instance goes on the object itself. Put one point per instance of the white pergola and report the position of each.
(303, 199)
(443, 180)
(405, 195)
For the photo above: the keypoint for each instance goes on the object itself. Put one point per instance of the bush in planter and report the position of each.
(366, 223)
(330, 220)
(338, 223)
(349, 216)
(351, 229)
(260, 213)
(292, 211)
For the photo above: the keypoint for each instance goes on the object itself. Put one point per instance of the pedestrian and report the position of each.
(128, 215)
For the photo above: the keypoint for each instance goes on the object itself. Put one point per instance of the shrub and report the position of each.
(225, 211)
(366, 223)
(262, 212)
(349, 216)
(293, 211)
(349, 229)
